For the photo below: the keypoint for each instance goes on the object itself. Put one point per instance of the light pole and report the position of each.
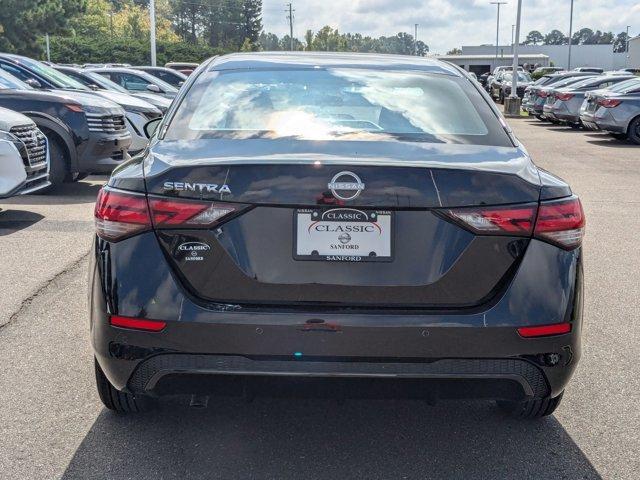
(570, 35)
(512, 104)
(497, 28)
(626, 57)
(514, 73)
(49, 50)
(152, 28)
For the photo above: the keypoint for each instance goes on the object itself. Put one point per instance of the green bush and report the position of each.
(80, 49)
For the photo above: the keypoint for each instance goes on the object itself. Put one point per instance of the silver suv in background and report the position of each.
(24, 155)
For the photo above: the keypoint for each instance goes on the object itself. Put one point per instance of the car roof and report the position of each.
(113, 69)
(569, 74)
(290, 60)
(11, 56)
(67, 67)
(140, 67)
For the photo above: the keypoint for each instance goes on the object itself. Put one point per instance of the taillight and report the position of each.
(172, 213)
(119, 215)
(609, 102)
(563, 97)
(561, 222)
(511, 220)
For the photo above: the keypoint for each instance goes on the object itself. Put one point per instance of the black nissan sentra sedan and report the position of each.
(335, 224)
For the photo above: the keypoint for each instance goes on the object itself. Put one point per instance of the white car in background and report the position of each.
(24, 155)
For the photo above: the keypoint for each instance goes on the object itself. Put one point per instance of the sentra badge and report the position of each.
(196, 187)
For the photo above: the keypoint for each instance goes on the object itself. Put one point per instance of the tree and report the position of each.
(584, 36)
(556, 37)
(308, 39)
(603, 38)
(252, 21)
(187, 19)
(534, 38)
(269, 41)
(455, 51)
(620, 42)
(421, 48)
(285, 43)
(22, 22)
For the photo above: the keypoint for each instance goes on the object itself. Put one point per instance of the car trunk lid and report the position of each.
(259, 254)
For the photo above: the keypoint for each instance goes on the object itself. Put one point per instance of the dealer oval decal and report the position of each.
(194, 251)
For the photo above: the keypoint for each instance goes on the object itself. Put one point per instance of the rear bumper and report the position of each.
(216, 341)
(588, 120)
(567, 117)
(610, 120)
(549, 114)
(158, 373)
(560, 111)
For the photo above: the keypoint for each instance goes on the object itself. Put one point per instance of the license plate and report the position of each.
(343, 235)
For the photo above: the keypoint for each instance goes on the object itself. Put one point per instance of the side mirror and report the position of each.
(180, 83)
(32, 82)
(152, 87)
(94, 87)
(151, 126)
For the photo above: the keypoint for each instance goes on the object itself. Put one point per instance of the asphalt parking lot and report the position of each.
(52, 424)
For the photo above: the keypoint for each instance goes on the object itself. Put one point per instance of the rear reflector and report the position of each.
(120, 215)
(511, 220)
(172, 213)
(545, 330)
(138, 323)
(561, 222)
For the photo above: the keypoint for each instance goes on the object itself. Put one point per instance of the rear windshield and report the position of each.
(568, 81)
(626, 86)
(341, 103)
(542, 80)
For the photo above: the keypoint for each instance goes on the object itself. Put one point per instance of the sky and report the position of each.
(445, 24)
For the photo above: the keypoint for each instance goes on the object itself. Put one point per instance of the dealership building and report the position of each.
(634, 52)
(482, 58)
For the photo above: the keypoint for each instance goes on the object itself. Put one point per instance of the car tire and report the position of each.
(116, 400)
(541, 118)
(59, 172)
(634, 131)
(531, 408)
